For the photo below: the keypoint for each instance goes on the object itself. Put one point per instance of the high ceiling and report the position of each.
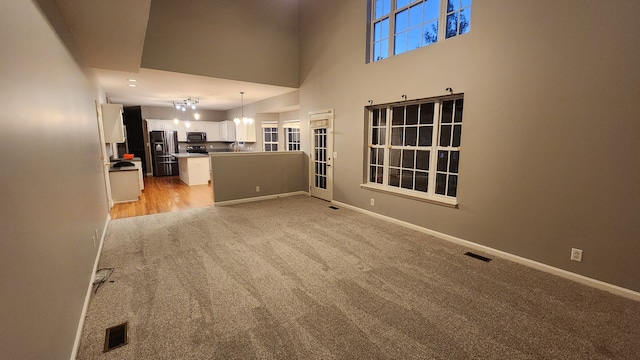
(111, 35)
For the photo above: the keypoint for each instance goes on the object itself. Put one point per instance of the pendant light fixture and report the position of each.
(183, 105)
(243, 119)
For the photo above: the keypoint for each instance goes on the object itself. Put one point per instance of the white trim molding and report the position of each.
(601, 285)
(83, 315)
(259, 198)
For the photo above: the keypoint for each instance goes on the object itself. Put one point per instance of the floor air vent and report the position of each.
(115, 337)
(476, 256)
(333, 207)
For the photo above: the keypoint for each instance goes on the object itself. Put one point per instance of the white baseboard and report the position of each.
(258, 198)
(83, 315)
(618, 290)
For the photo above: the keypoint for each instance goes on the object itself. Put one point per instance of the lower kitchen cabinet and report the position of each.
(138, 164)
(125, 184)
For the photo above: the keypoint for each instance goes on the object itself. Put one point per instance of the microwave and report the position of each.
(196, 137)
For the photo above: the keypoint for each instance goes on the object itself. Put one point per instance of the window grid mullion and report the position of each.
(442, 20)
(433, 155)
(387, 143)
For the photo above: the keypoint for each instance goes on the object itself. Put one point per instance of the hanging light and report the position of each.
(183, 105)
(243, 119)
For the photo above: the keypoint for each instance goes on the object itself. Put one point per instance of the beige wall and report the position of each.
(246, 40)
(271, 109)
(236, 175)
(169, 113)
(549, 157)
(52, 197)
(277, 104)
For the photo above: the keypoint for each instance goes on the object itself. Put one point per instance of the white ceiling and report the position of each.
(111, 35)
(161, 88)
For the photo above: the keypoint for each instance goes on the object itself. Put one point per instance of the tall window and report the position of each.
(403, 25)
(415, 147)
(270, 138)
(292, 139)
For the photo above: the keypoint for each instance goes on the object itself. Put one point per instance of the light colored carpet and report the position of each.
(293, 279)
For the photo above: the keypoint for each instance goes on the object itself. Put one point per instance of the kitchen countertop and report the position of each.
(120, 159)
(189, 155)
(124, 168)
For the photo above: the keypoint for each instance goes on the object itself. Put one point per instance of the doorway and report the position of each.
(321, 169)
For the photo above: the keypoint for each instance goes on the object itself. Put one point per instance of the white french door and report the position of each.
(321, 165)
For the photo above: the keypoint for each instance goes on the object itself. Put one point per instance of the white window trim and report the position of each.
(430, 196)
(286, 137)
(412, 194)
(270, 125)
(291, 124)
(442, 27)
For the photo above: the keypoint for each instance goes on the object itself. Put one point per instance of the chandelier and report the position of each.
(243, 119)
(183, 105)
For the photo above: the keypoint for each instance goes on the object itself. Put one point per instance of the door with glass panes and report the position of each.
(321, 165)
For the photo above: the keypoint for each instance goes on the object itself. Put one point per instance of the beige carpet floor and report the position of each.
(291, 278)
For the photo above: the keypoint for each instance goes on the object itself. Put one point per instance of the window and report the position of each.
(414, 147)
(293, 139)
(270, 138)
(399, 26)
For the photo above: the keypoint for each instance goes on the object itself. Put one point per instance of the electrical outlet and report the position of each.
(576, 254)
(257, 188)
(373, 202)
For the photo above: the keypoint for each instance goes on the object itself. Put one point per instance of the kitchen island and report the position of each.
(193, 168)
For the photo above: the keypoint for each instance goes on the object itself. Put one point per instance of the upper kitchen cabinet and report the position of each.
(161, 125)
(112, 123)
(213, 131)
(227, 131)
(195, 126)
(184, 127)
(246, 132)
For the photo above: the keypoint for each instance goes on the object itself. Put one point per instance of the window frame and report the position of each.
(295, 132)
(434, 150)
(391, 32)
(272, 129)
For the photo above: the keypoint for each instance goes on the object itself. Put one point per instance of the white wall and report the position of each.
(549, 156)
(53, 196)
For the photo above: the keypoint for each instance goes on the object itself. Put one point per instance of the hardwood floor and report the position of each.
(164, 194)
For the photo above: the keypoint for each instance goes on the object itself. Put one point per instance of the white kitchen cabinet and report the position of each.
(112, 123)
(197, 126)
(157, 125)
(170, 125)
(182, 131)
(246, 132)
(160, 125)
(213, 131)
(124, 185)
(227, 131)
(138, 165)
(180, 127)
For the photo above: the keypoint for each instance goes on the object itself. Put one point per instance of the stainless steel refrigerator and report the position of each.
(163, 143)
